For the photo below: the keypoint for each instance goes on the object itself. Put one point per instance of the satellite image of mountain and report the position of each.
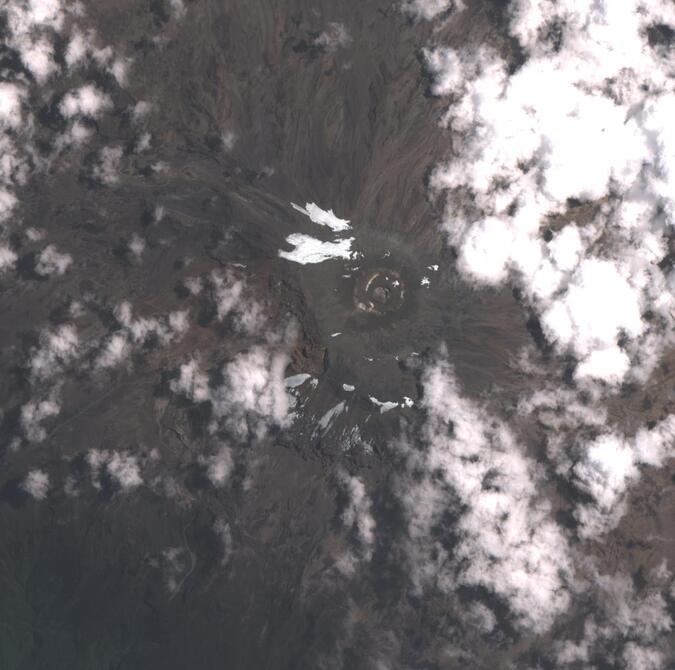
(337, 335)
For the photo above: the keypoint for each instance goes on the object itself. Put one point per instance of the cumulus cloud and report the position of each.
(36, 484)
(121, 467)
(219, 466)
(137, 245)
(253, 397)
(222, 530)
(233, 299)
(87, 100)
(29, 29)
(107, 170)
(51, 261)
(473, 511)
(12, 97)
(358, 519)
(178, 8)
(429, 9)
(583, 119)
(33, 32)
(7, 258)
(192, 382)
(136, 332)
(626, 628)
(33, 413)
(57, 347)
(609, 464)
(336, 37)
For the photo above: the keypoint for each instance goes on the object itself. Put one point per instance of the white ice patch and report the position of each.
(310, 250)
(385, 406)
(326, 420)
(296, 380)
(323, 217)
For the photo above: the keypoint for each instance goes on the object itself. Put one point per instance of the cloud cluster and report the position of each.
(121, 467)
(474, 514)
(60, 350)
(57, 348)
(252, 398)
(628, 629)
(231, 298)
(607, 467)
(85, 101)
(136, 332)
(34, 412)
(585, 118)
(35, 33)
(51, 261)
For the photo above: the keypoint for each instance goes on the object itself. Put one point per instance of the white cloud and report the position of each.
(124, 469)
(252, 398)
(232, 298)
(222, 529)
(192, 382)
(85, 101)
(57, 348)
(107, 170)
(584, 119)
(178, 8)
(116, 349)
(336, 37)
(121, 467)
(219, 466)
(39, 60)
(229, 139)
(137, 245)
(136, 332)
(429, 9)
(33, 413)
(7, 258)
(469, 468)
(36, 484)
(628, 629)
(607, 467)
(357, 517)
(12, 97)
(482, 617)
(51, 261)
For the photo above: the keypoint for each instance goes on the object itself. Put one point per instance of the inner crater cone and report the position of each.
(379, 291)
